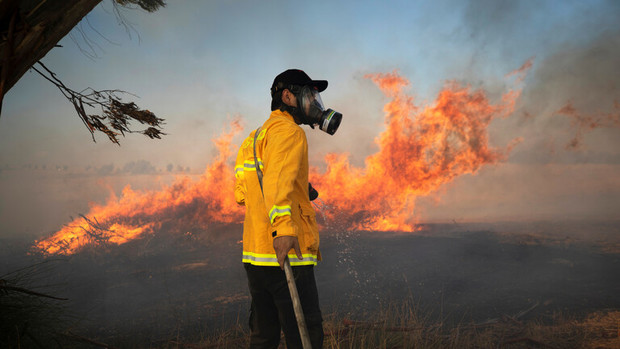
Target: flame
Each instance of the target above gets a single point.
(421, 148)
(201, 203)
(71, 238)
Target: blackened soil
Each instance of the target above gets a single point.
(189, 285)
(473, 276)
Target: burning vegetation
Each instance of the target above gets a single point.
(421, 148)
(201, 203)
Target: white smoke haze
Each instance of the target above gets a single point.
(39, 199)
(574, 61)
(529, 192)
(586, 77)
(540, 226)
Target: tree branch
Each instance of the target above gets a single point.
(115, 116)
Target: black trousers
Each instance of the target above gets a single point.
(272, 307)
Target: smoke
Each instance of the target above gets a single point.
(570, 95)
(519, 27)
(185, 204)
(586, 74)
(105, 170)
(38, 199)
(361, 106)
(423, 147)
(139, 167)
(566, 166)
(571, 108)
(487, 20)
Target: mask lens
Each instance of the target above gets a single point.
(311, 102)
(312, 107)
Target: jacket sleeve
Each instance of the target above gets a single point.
(283, 155)
(240, 188)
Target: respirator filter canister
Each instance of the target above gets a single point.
(330, 121)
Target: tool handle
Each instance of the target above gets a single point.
(299, 313)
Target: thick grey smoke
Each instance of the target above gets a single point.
(578, 82)
(574, 70)
(570, 108)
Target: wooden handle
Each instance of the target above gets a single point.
(299, 313)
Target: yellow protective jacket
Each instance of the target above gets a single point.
(285, 209)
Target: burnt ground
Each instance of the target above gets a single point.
(192, 285)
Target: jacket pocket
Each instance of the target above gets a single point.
(309, 229)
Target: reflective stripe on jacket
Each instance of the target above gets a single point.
(285, 209)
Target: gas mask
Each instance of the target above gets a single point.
(312, 112)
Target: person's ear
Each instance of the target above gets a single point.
(286, 98)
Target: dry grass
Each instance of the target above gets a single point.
(29, 316)
(405, 327)
(602, 330)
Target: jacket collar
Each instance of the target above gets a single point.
(282, 114)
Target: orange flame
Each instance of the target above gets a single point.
(202, 203)
(421, 149)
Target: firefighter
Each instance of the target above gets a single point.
(272, 183)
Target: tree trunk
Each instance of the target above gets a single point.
(30, 28)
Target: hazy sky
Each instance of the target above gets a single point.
(199, 64)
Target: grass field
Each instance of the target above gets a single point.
(402, 326)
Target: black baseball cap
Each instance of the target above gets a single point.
(294, 77)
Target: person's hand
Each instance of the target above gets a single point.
(283, 244)
(312, 192)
